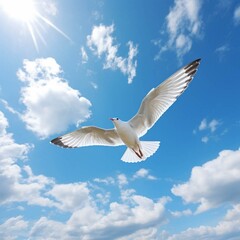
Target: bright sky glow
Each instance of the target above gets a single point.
(68, 64)
(26, 11)
(23, 10)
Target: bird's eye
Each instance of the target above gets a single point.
(117, 118)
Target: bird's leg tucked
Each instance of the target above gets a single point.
(140, 154)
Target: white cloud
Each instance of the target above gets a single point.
(145, 234)
(121, 219)
(210, 126)
(203, 125)
(51, 104)
(47, 229)
(101, 42)
(108, 180)
(143, 173)
(181, 213)
(236, 15)
(183, 24)
(14, 186)
(227, 228)
(13, 228)
(3, 124)
(122, 180)
(214, 183)
(130, 216)
(70, 197)
(213, 125)
(126, 220)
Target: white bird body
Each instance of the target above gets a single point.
(128, 136)
(126, 133)
(154, 104)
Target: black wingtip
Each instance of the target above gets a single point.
(57, 141)
(192, 67)
(193, 63)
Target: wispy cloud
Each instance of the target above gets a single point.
(101, 42)
(183, 24)
(9, 108)
(50, 7)
(178, 214)
(208, 127)
(222, 50)
(84, 55)
(107, 181)
(212, 125)
(51, 104)
(214, 183)
(94, 85)
(236, 15)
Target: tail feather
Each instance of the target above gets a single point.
(148, 149)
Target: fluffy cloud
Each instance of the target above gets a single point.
(122, 219)
(13, 228)
(214, 183)
(47, 229)
(51, 104)
(183, 24)
(236, 15)
(88, 216)
(137, 218)
(15, 187)
(227, 228)
(122, 180)
(70, 197)
(101, 42)
(143, 173)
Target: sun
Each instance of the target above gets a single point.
(21, 10)
(26, 11)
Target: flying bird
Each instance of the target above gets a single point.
(154, 104)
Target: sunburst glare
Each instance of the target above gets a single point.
(26, 11)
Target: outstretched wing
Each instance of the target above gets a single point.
(88, 136)
(159, 99)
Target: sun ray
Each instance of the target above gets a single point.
(41, 36)
(54, 27)
(33, 36)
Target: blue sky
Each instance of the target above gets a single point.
(67, 64)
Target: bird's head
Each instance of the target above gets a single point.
(115, 120)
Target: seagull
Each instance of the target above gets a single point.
(128, 133)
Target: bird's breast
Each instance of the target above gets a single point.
(128, 135)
